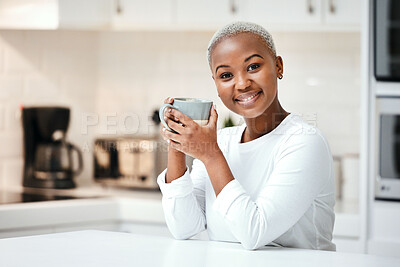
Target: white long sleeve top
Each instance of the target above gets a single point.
(283, 192)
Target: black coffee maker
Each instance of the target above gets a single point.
(49, 159)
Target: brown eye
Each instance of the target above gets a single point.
(253, 67)
(226, 75)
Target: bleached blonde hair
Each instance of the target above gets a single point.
(235, 28)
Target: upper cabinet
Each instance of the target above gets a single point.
(307, 15)
(142, 14)
(84, 13)
(343, 13)
(206, 13)
(282, 13)
(276, 15)
(54, 14)
(28, 14)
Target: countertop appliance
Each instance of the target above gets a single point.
(388, 160)
(387, 40)
(130, 162)
(386, 86)
(48, 157)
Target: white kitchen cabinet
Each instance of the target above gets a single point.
(314, 15)
(28, 14)
(54, 14)
(206, 13)
(271, 13)
(85, 14)
(139, 14)
(345, 13)
(349, 245)
(276, 15)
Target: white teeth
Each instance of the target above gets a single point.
(247, 99)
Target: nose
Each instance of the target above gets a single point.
(242, 81)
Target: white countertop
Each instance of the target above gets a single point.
(113, 205)
(110, 206)
(100, 248)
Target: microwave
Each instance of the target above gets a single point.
(386, 35)
(388, 156)
(129, 162)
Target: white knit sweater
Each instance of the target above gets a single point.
(283, 192)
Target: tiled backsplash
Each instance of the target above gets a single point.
(116, 79)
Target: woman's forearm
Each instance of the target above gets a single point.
(176, 165)
(218, 170)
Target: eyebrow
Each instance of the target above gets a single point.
(247, 59)
(254, 55)
(221, 66)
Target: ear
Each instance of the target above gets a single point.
(279, 66)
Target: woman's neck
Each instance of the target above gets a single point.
(264, 123)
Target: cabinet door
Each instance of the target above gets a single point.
(277, 14)
(206, 13)
(139, 13)
(342, 12)
(28, 14)
(84, 14)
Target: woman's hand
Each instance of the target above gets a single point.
(192, 139)
(168, 100)
(197, 141)
(176, 159)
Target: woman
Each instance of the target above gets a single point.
(269, 181)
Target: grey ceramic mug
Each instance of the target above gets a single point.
(195, 108)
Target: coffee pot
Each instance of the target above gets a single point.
(55, 161)
(49, 160)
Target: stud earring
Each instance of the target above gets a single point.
(280, 77)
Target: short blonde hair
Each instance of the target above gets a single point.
(235, 28)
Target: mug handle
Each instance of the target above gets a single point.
(161, 115)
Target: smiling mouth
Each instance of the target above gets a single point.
(250, 98)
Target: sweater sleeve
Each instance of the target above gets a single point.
(183, 202)
(301, 170)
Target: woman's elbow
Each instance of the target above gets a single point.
(254, 240)
(180, 235)
(251, 244)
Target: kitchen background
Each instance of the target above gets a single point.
(113, 62)
(114, 80)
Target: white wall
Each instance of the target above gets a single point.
(117, 74)
(43, 68)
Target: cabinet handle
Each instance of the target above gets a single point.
(119, 7)
(310, 7)
(332, 6)
(233, 7)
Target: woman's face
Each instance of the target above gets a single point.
(245, 73)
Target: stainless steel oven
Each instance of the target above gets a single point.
(387, 40)
(388, 158)
(386, 86)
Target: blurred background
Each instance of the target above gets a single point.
(106, 60)
(112, 63)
